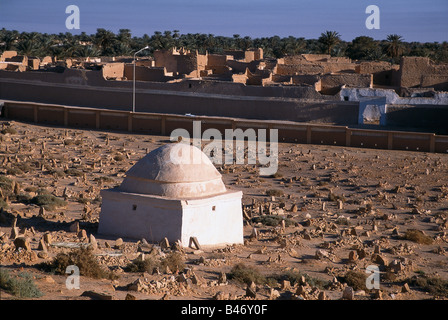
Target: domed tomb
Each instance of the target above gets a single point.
(175, 192)
(175, 170)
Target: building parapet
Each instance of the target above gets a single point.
(356, 94)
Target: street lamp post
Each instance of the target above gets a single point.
(133, 88)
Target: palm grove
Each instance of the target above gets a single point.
(107, 43)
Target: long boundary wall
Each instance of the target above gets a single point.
(164, 124)
(86, 88)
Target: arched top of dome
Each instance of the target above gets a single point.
(175, 170)
(175, 162)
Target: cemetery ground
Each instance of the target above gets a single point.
(311, 230)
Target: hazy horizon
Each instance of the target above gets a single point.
(421, 21)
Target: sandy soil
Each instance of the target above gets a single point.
(339, 203)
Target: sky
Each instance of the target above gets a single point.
(414, 20)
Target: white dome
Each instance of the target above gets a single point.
(175, 170)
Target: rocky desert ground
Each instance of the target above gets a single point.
(311, 230)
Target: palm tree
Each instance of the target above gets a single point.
(201, 42)
(45, 44)
(84, 37)
(31, 36)
(361, 48)
(329, 39)
(122, 49)
(105, 39)
(87, 51)
(70, 47)
(9, 40)
(442, 53)
(276, 45)
(176, 36)
(394, 46)
(245, 43)
(124, 35)
(27, 47)
(235, 42)
(294, 46)
(157, 41)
